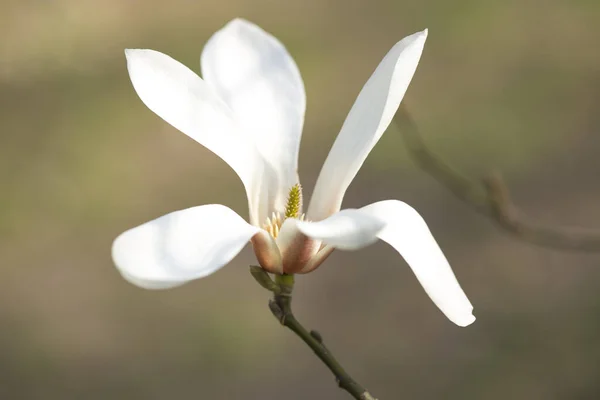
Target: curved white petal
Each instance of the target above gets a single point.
(407, 232)
(181, 246)
(369, 117)
(348, 229)
(255, 75)
(180, 97)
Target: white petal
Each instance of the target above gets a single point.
(181, 246)
(181, 98)
(255, 75)
(369, 117)
(407, 232)
(347, 230)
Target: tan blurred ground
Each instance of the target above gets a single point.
(511, 84)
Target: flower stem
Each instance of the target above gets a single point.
(281, 307)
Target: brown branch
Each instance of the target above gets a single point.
(490, 196)
(281, 308)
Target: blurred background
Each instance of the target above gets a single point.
(513, 85)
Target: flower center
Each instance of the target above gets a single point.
(293, 209)
(273, 224)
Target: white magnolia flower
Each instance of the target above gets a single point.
(249, 110)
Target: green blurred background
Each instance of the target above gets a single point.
(509, 84)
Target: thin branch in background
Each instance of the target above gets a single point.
(491, 197)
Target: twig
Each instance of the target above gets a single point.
(491, 197)
(281, 307)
